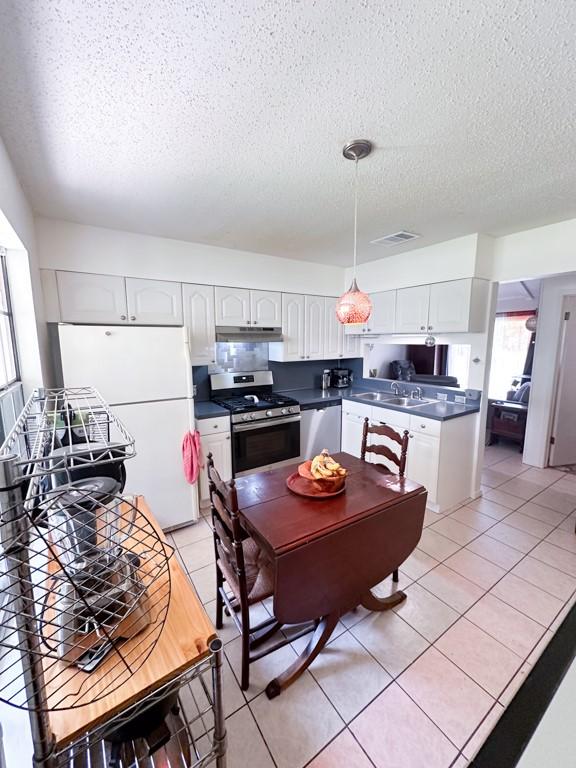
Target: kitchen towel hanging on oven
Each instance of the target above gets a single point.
(192, 456)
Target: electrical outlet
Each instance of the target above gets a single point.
(459, 399)
(441, 396)
(194, 390)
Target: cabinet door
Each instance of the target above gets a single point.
(232, 306)
(199, 319)
(383, 314)
(154, 302)
(450, 306)
(292, 348)
(220, 446)
(314, 327)
(422, 462)
(87, 298)
(333, 331)
(412, 309)
(352, 346)
(266, 308)
(352, 426)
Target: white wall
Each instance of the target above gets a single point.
(545, 367)
(451, 260)
(63, 245)
(17, 234)
(536, 252)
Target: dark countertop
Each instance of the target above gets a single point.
(206, 409)
(437, 410)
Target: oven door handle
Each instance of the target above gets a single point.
(261, 424)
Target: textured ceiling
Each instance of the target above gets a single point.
(223, 122)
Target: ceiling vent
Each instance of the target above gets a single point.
(395, 239)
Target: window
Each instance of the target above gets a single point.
(8, 360)
(509, 350)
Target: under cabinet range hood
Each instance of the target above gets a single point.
(253, 333)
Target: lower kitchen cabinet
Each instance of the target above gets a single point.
(216, 439)
(440, 453)
(353, 415)
(422, 463)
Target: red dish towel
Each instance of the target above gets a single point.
(192, 456)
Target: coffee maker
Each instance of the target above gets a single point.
(341, 377)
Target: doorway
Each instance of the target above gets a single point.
(563, 435)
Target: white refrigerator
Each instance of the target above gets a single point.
(145, 375)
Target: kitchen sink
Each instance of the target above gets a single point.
(371, 396)
(406, 402)
(384, 397)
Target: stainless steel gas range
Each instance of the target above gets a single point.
(265, 425)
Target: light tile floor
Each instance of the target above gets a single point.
(423, 685)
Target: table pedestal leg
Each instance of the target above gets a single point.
(316, 643)
(373, 603)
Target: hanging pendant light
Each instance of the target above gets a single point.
(354, 306)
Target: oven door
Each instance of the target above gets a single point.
(261, 443)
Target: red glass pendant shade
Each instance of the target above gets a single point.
(354, 306)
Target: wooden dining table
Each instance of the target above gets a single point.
(328, 554)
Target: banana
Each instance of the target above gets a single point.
(323, 467)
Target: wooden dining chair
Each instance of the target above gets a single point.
(244, 569)
(399, 459)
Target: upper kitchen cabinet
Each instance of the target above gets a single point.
(199, 319)
(88, 298)
(232, 306)
(154, 302)
(333, 331)
(314, 327)
(291, 348)
(412, 309)
(382, 317)
(266, 308)
(458, 306)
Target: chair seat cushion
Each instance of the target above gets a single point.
(259, 572)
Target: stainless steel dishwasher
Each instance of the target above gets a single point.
(320, 428)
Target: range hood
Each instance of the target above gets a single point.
(253, 333)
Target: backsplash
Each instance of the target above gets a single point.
(299, 375)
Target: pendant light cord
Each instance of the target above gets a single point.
(355, 214)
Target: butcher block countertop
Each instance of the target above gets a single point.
(183, 642)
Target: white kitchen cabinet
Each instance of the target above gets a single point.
(352, 427)
(422, 463)
(88, 298)
(382, 318)
(412, 309)
(314, 327)
(232, 306)
(333, 331)
(458, 306)
(293, 322)
(215, 438)
(352, 346)
(154, 302)
(266, 308)
(199, 319)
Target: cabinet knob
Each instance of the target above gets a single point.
(302, 357)
(430, 328)
(212, 361)
(410, 435)
(422, 327)
(227, 437)
(132, 317)
(422, 426)
(122, 317)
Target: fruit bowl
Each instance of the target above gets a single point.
(324, 484)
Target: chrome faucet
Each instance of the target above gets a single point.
(395, 388)
(416, 393)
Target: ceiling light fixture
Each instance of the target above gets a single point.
(430, 341)
(354, 306)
